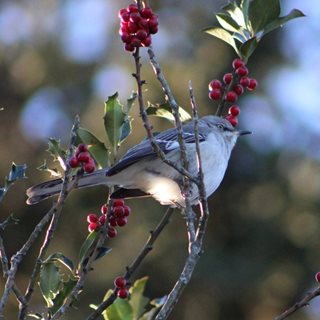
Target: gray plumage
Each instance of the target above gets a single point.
(140, 172)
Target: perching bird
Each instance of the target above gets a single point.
(140, 172)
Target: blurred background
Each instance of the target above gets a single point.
(262, 248)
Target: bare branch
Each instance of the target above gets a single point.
(304, 302)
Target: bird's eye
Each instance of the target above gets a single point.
(220, 126)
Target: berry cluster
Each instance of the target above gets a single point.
(117, 217)
(82, 158)
(232, 87)
(121, 283)
(136, 26)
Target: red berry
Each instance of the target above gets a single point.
(112, 221)
(132, 27)
(112, 232)
(147, 41)
(233, 120)
(132, 8)
(82, 147)
(317, 276)
(124, 15)
(73, 162)
(126, 37)
(120, 282)
(215, 84)
(118, 211)
(252, 84)
(84, 157)
(238, 89)
(127, 211)
(215, 94)
(122, 293)
(234, 110)
(227, 78)
(122, 221)
(104, 208)
(231, 96)
(136, 42)
(143, 24)
(237, 63)
(89, 167)
(141, 34)
(93, 226)
(91, 217)
(135, 17)
(118, 203)
(129, 47)
(147, 13)
(153, 30)
(102, 219)
(244, 81)
(242, 71)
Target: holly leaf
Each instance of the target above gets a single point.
(280, 21)
(247, 48)
(97, 148)
(138, 301)
(54, 172)
(236, 13)
(57, 152)
(60, 257)
(50, 282)
(164, 111)
(102, 251)
(87, 244)
(119, 310)
(227, 22)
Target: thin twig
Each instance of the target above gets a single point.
(135, 263)
(300, 304)
(18, 257)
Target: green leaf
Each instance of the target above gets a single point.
(227, 22)
(114, 118)
(53, 171)
(222, 35)
(102, 251)
(164, 111)
(130, 102)
(262, 13)
(137, 300)
(87, 244)
(119, 310)
(97, 149)
(58, 256)
(50, 282)
(236, 13)
(244, 5)
(59, 300)
(55, 149)
(150, 315)
(247, 48)
(279, 22)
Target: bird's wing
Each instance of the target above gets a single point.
(167, 141)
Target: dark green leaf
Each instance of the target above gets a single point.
(87, 244)
(17, 172)
(262, 13)
(96, 148)
(102, 251)
(58, 256)
(236, 13)
(130, 102)
(114, 117)
(222, 35)
(244, 5)
(137, 300)
(67, 287)
(54, 172)
(119, 310)
(279, 22)
(247, 48)
(227, 22)
(50, 282)
(56, 151)
(164, 111)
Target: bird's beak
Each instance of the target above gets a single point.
(243, 132)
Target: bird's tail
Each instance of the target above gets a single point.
(48, 189)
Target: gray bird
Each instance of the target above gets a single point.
(140, 172)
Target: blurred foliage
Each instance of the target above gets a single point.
(262, 245)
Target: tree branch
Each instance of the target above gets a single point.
(300, 304)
